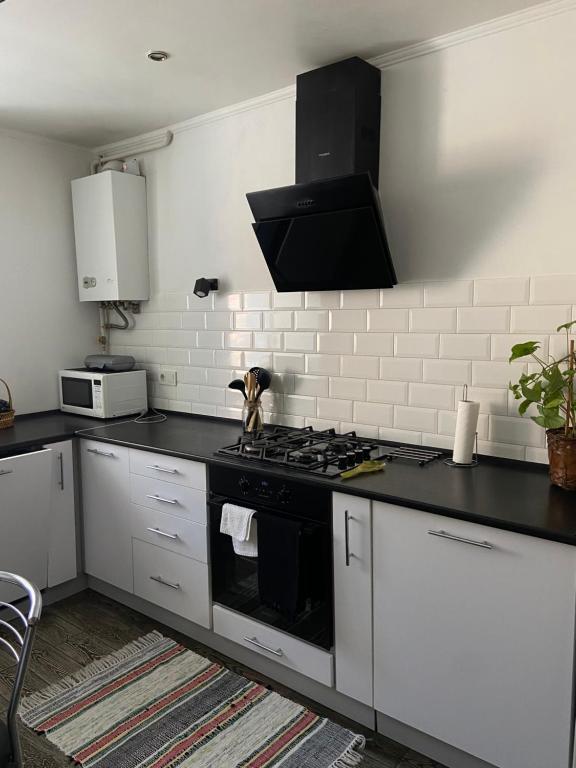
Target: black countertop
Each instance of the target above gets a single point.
(512, 495)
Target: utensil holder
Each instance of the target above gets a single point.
(252, 417)
(7, 417)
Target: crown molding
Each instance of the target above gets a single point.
(433, 45)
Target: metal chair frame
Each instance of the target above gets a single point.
(20, 647)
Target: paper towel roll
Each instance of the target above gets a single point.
(465, 436)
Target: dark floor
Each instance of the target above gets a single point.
(84, 627)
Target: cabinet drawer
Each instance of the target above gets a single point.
(170, 532)
(175, 499)
(279, 647)
(168, 468)
(174, 582)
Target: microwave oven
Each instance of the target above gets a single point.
(103, 395)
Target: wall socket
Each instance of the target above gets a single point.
(168, 378)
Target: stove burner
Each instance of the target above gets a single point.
(323, 453)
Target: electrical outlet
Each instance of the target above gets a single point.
(168, 378)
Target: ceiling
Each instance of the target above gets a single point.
(76, 70)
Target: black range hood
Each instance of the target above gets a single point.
(326, 232)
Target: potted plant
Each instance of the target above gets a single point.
(551, 391)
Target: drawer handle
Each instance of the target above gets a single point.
(170, 584)
(158, 468)
(348, 554)
(6, 472)
(100, 453)
(255, 641)
(472, 542)
(163, 533)
(161, 498)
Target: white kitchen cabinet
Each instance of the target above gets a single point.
(352, 537)
(106, 511)
(62, 565)
(474, 636)
(110, 227)
(25, 494)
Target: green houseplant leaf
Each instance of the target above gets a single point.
(523, 350)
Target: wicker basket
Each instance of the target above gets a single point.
(7, 417)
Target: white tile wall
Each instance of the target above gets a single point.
(387, 363)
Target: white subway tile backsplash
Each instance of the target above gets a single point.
(312, 320)
(348, 389)
(374, 344)
(538, 455)
(447, 371)
(457, 293)
(379, 414)
(539, 319)
(483, 319)
(553, 289)
(348, 320)
(416, 345)
(388, 320)
(358, 367)
(388, 363)
(502, 291)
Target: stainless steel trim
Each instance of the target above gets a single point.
(162, 469)
(462, 539)
(6, 471)
(61, 465)
(256, 642)
(100, 453)
(348, 555)
(170, 584)
(161, 498)
(163, 533)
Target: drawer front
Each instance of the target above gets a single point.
(277, 646)
(174, 582)
(168, 468)
(174, 499)
(170, 532)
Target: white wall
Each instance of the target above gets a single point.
(477, 173)
(43, 327)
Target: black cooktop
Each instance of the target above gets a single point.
(320, 452)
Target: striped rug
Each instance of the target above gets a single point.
(156, 704)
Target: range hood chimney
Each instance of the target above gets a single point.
(326, 232)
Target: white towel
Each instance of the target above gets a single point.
(237, 522)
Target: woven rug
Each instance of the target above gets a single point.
(156, 704)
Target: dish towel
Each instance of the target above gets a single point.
(238, 523)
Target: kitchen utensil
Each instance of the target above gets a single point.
(263, 378)
(365, 467)
(239, 385)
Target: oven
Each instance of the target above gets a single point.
(289, 584)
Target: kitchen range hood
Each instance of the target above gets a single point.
(326, 232)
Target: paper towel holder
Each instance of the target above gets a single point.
(474, 462)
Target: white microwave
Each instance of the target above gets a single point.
(102, 394)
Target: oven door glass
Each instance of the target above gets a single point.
(248, 584)
(77, 392)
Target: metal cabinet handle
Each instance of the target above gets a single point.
(161, 498)
(462, 539)
(255, 641)
(349, 555)
(61, 466)
(6, 472)
(163, 533)
(165, 583)
(162, 469)
(100, 453)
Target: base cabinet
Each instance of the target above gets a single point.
(62, 560)
(474, 636)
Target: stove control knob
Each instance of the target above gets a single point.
(284, 495)
(342, 462)
(244, 485)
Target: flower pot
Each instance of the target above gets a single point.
(562, 457)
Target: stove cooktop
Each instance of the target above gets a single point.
(324, 452)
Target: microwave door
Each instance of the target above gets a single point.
(77, 393)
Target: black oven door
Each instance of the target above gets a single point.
(289, 588)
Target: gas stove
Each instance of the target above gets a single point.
(323, 452)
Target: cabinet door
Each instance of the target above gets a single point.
(25, 485)
(62, 564)
(474, 636)
(353, 596)
(106, 511)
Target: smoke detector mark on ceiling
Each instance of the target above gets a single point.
(154, 55)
